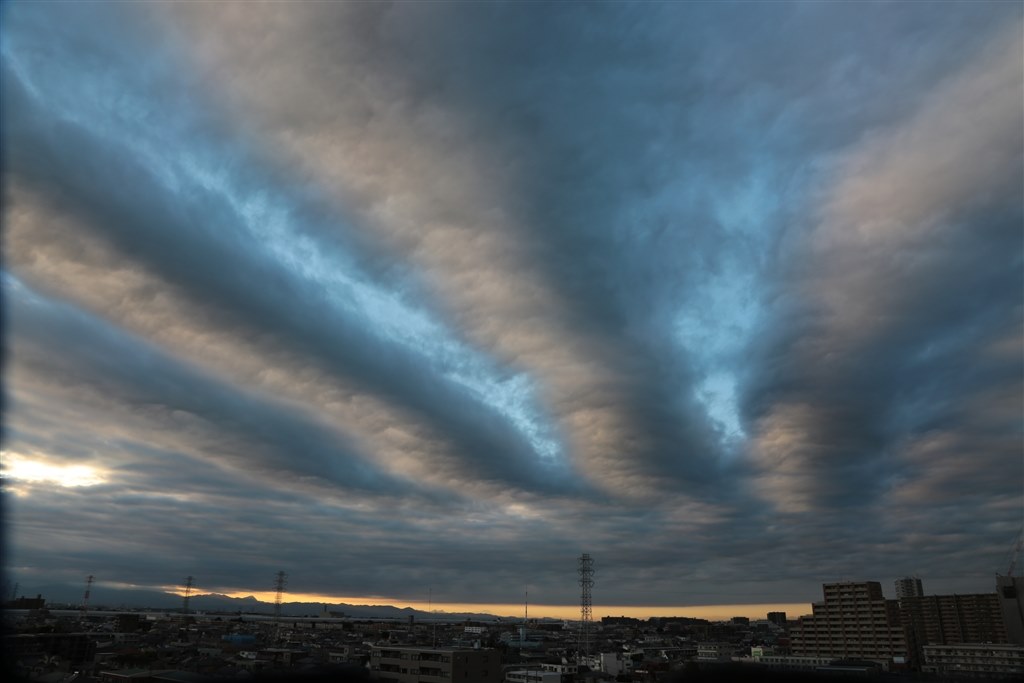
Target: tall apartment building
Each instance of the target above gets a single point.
(854, 621)
(1010, 590)
(909, 587)
(947, 619)
(435, 665)
(951, 619)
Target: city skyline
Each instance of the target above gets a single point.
(113, 594)
(410, 297)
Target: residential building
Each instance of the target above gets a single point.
(778, 618)
(715, 652)
(950, 619)
(27, 603)
(434, 665)
(74, 648)
(614, 663)
(855, 621)
(909, 587)
(1010, 590)
(564, 669)
(976, 660)
(523, 639)
(791, 662)
(532, 676)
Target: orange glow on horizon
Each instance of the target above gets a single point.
(539, 611)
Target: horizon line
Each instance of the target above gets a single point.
(715, 611)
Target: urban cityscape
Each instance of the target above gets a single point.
(855, 630)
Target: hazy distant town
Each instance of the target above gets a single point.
(855, 630)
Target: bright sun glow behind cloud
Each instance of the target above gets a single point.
(21, 468)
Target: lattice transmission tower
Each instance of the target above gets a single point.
(185, 598)
(279, 583)
(85, 597)
(586, 572)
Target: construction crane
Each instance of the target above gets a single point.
(1015, 553)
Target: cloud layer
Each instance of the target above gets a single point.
(400, 296)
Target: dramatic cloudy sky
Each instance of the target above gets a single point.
(428, 298)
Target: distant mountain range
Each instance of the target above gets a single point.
(114, 598)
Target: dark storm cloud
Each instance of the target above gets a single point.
(751, 272)
(601, 122)
(591, 129)
(236, 476)
(105, 368)
(891, 346)
(184, 236)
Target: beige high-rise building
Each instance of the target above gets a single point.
(855, 621)
(946, 619)
(951, 619)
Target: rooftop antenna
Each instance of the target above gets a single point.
(85, 598)
(586, 572)
(188, 594)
